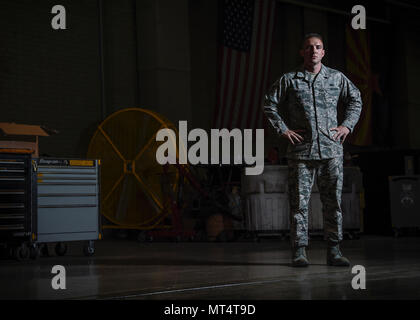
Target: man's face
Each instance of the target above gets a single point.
(312, 51)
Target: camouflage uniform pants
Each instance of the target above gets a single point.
(301, 173)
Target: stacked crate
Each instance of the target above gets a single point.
(267, 209)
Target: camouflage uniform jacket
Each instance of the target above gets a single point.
(296, 103)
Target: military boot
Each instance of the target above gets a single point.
(334, 256)
(299, 258)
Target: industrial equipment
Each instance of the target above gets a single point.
(45, 200)
(135, 188)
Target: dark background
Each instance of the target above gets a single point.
(162, 55)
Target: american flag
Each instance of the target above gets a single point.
(244, 59)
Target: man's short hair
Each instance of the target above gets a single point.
(312, 35)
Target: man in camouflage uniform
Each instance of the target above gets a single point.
(302, 107)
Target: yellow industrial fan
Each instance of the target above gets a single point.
(132, 194)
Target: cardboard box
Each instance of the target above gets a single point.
(22, 138)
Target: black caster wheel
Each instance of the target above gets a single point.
(34, 252)
(11, 252)
(44, 250)
(24, 253)
(89, 249)
(15, 253)
(21, 252)
(60, 248)
(142, 236)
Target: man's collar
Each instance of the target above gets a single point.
(303, 74)
(324, 71)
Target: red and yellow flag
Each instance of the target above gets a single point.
(359, 72)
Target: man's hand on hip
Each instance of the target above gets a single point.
(341, 133)
(293, 135)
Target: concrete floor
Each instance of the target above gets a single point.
(124, 269)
